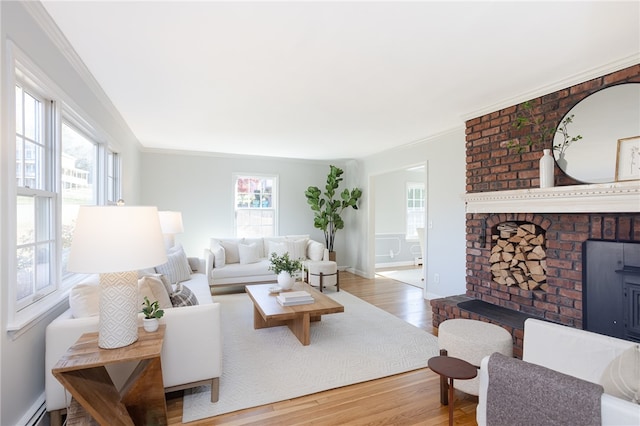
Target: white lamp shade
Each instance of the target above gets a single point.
(116, 239)
(171, 222)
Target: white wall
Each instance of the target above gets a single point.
(22, 356)
(201, 187)
(444, 156)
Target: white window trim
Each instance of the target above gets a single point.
(409, 185)
(20, 66)
(275, 200)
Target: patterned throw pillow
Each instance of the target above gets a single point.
(177, 268)
(183, 296)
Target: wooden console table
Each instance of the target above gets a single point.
(141, 400)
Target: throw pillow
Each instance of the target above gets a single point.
(277, 248)
(248, 253)
(84, 300)
(230, 251)
(177, 267)
(259, 243)
(165, 281)
(153, 289)
(297, 249)
(219, 258)
(194, 264)
(621, 378)
(183, 296)
(315, 251)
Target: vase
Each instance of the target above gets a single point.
(150, 324)
(286, 280)
(547, 165)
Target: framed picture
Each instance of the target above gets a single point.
(628, 159)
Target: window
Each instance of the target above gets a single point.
(79, 166)
(35, 198)
(61, 163)
(113, 177)
(415, 209)
(255, 205)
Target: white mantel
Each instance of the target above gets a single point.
(618, 197)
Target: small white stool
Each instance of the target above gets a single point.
(471, 341)
(322, 273)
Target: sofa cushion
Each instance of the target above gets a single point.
(621, 378)
(164, 279)
(315, 251)
(297, 248)
(259, 242)
(219, 258)
(84, 300)
(153, 288)
(236, 270)
(248, 253)
(183, 296)
(177, 268)
(232, 255)
(277, 248)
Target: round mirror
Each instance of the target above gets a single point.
(600, 119)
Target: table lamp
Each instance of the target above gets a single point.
(116, 241)
(171, 224)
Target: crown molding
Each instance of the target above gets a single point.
(42, 18)
(559, 85)
(618, 197)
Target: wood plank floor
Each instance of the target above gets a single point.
(411, 398)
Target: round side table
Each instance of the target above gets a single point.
(452, 368)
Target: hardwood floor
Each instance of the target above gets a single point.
(411, 398)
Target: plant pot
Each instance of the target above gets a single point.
(286, 280)
(332, 256)
(150, 324)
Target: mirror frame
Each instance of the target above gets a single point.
(601, 119)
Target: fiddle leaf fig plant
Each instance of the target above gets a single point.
(328, 208)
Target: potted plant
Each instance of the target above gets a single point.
(540, 132)
(152, 313)
(328, 210)
(284, 267)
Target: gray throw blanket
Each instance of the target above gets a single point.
(521, 393)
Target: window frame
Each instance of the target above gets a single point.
(21, 70)
(408, 213)
(274, 201)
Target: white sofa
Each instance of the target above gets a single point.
(576, 353)
(191, 353)
(234, 261)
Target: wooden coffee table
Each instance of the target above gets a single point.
(267, 312)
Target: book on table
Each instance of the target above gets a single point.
(292, 298)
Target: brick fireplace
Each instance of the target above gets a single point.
(494, 168)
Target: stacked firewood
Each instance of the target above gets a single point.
(518, 256)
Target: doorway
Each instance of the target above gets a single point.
(400, 212)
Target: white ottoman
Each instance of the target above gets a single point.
(471, 341)
(322, 273)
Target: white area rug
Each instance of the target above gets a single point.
(269, 365)
(409, 276)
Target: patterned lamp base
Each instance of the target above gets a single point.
(118, 325)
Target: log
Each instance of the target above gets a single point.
(509, 248)
(533, 285)
(530, 227)
(539, 251)
(495, 257)
(507, 256)
(538, 278)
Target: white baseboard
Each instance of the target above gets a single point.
(36, 415)
(394, 264)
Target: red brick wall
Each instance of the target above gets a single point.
(491, 166)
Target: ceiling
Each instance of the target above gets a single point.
(333, 80)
